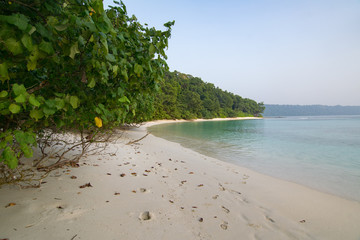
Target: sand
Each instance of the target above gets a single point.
(155, 189)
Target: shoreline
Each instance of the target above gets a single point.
(160, 190)
(323, 190)
(331, 216)
(158, 122)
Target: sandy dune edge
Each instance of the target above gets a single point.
(185, 194)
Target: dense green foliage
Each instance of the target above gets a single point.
(64, 63)
(71, 65)
(309, 110)
(185, 97)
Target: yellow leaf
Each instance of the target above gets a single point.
(98, 122)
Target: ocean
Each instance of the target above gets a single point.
(320, 152)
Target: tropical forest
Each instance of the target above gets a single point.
(74, 66)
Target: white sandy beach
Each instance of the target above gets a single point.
(186, 195)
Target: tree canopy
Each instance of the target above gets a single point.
(70, 64)
(183, 96)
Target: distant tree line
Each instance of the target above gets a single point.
(183, 96)
(309, 110)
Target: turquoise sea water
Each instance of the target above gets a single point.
(321, 152)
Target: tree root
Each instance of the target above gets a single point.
(57, 150)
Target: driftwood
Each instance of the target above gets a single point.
(137, 140)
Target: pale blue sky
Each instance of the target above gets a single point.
(278, 52)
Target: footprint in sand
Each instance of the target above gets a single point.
(225, 209)
(221, 187)
(270, 219)
(145, 216)
(143, 190)
(233, 191)
(224, 225)
(256, 226)
(215, 197)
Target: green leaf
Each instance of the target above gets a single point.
(121, 37)
(14, 108)
(4, 74)
(74, 101)
(13, 46)
(27, 150)
(91, 83)
(31, 138)
(59, 94)
(104, 42)
(59, 103)
(36, 114)
(124, 73)
(3, 94)
(20, 136)
(51, 103)
(61, 28)
(9, 138)
(2, 146)
(46, 47)
(92, 28)
(103, 27)
(4, 105)
(18, 20)
(81, 40)
(74, 50)
(32, 29)
(124, 99)
(33, 101)
(43, 31)
(20, 99)
(27, 42)
(149, 66)
(138, 69)
(32, 61)
(9, 158)
(98, 6)
(19, 89)
(110, 58)
(25, 137)
(49, 111)
(152, 49)
(31, 65)
(115, 69)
